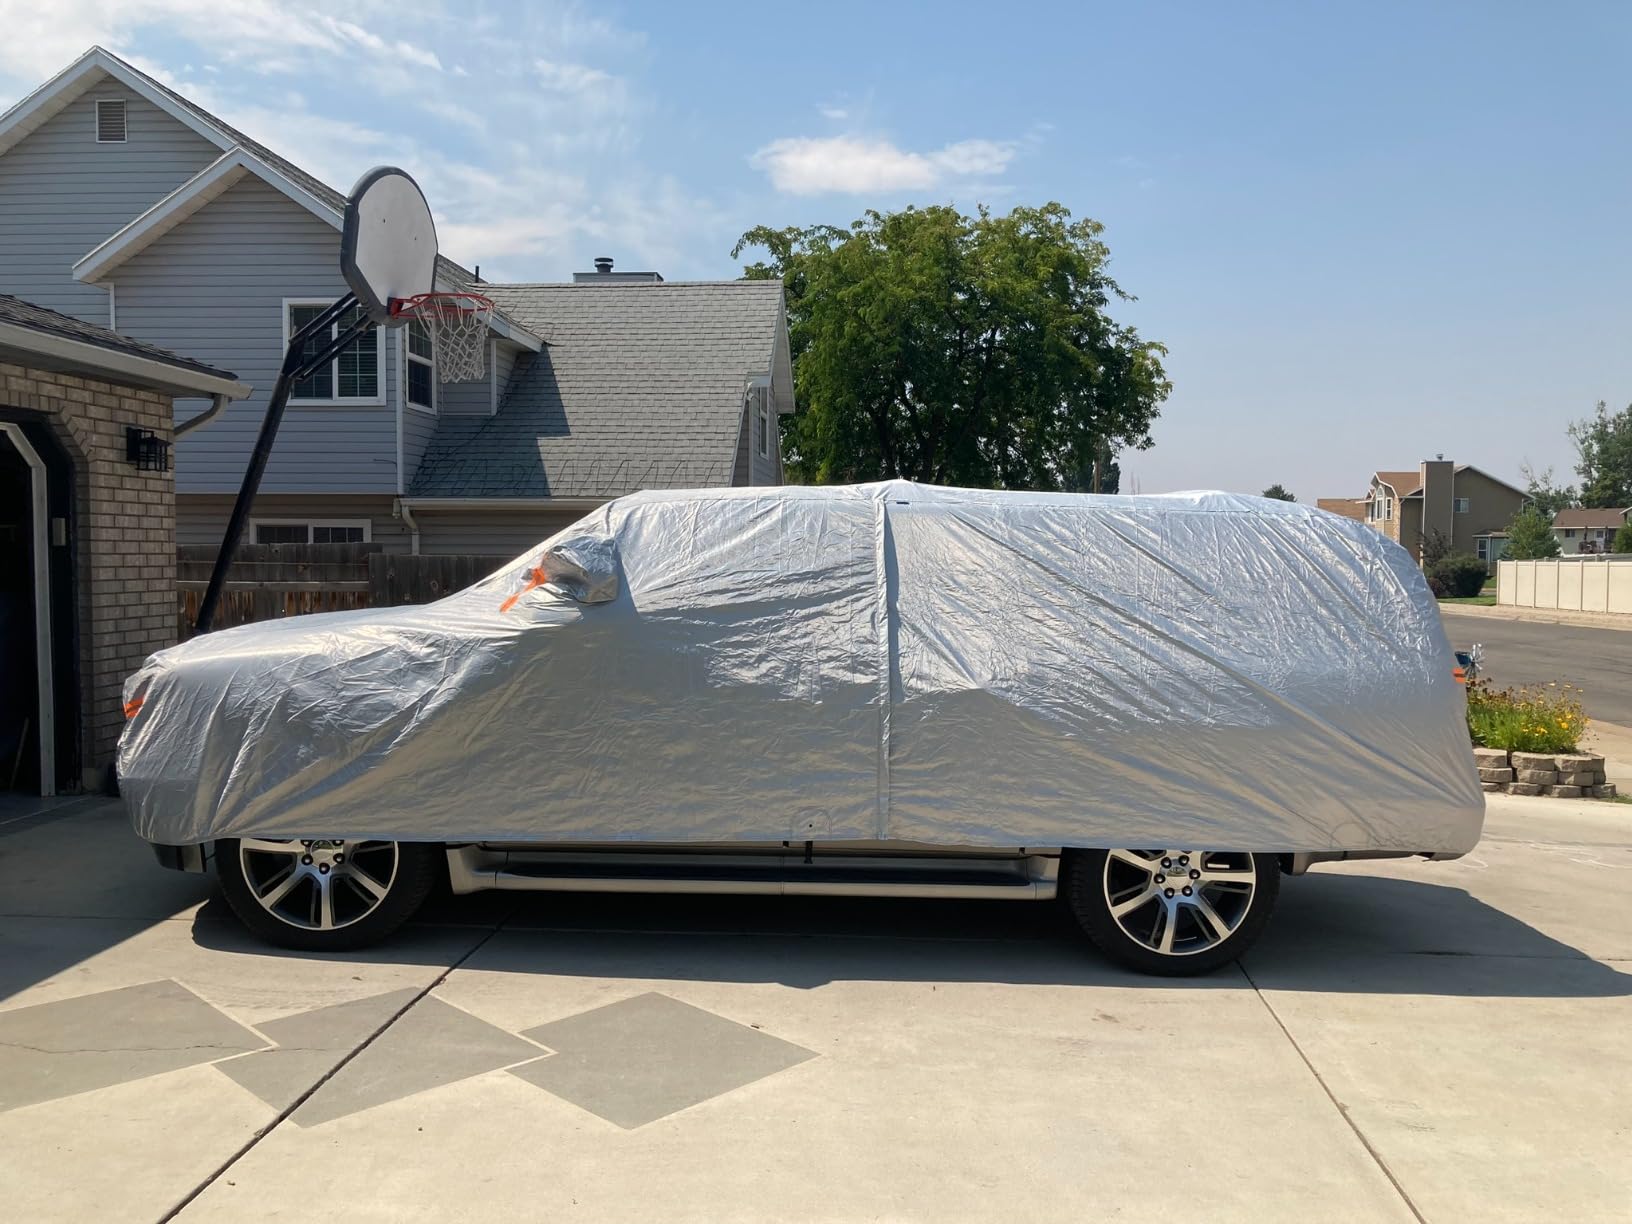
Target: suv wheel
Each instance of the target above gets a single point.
(323, 896)
(1171, 912)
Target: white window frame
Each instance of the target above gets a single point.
(255, 525)
(406, 356)
(369, 401)
(1460, 504)
(96, 119)
(764, 411)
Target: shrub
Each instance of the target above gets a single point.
(1623, 539)
(1548, 719)
(1530, 535)
(1459, 575)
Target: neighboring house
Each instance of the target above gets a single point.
(1469, 507)
(1349, 507)
(87, 537)
(1588, 531)
(126, 205)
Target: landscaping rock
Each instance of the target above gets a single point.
(1564, 792)
(1495, 775)
(1579, 763)
(1581, 777)
(1490, 758)
(1538, 777)
(1535, 760)
(1522, 788)
(1607, 791)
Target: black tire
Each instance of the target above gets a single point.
(1084, 891)
(418, 866)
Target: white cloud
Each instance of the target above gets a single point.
(807, 165)
(570, 78)
(830, 111)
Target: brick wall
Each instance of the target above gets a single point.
(124, 527)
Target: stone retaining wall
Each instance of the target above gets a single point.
(1561, 775)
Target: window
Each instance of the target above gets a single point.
(1388, 507)
(1482, 547)
(354, 374)
(323, 531)
(110, 121)
(1461, 505)
(1569, 533)
(764, 430)
(421, 365)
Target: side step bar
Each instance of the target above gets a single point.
(1018, 878)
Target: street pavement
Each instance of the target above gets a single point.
(1410, 1041)
(1525, 652)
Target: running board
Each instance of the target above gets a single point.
(1017, 878)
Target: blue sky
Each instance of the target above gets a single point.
(1368, 233)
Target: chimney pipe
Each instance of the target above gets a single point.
(603, 263)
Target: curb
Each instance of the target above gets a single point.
(1541, 616)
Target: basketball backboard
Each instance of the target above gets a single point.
(388, 242)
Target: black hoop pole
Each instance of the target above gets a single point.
(293, 370)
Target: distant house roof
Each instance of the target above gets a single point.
(1590, 518)
(639, 386)
(58, 341)
(240, 154)
(1409, 484)
(1403, 483)
(1348, 507)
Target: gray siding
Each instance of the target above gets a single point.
(213, 288)
(202, 518)
(468, 398)
(62, 195)
(501, 532)
(417, 429)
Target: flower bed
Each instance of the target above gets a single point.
(1547, 719)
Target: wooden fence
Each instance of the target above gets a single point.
(268, 581)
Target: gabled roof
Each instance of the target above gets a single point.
(1403, 483)
(638, 387)
(61, 341)
(241, 155)
(1409, 484)
(1590, 518)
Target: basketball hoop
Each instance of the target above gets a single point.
(457, 325)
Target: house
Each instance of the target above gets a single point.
(641, 384)
(1588, 531)
(87, 533)
(1469, 508)
(126, 205)
(1348, 507)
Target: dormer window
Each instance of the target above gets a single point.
(110, 121)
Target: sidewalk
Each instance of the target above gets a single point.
(1542, 616)
(1614, 744)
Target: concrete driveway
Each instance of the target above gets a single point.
(1410, 1042)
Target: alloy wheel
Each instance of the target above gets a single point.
(318, 885)
(1179, 902)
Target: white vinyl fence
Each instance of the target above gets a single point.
(1571, 584)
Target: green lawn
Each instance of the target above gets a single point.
(1485, 599)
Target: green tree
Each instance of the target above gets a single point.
(1436, 546)
(956, 349)
(1603, 446)
(1279, 492)
(1546, 496)
(1530, 535)
(1623, 539)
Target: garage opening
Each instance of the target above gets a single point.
(39, 654)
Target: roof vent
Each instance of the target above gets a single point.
(603, 263)
(604, 275)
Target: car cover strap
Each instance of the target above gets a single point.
(536, 579)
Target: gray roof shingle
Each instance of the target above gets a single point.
(20, 313)
(638, 387)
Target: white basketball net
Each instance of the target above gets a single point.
(457, 325)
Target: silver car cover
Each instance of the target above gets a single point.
(887, 661)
